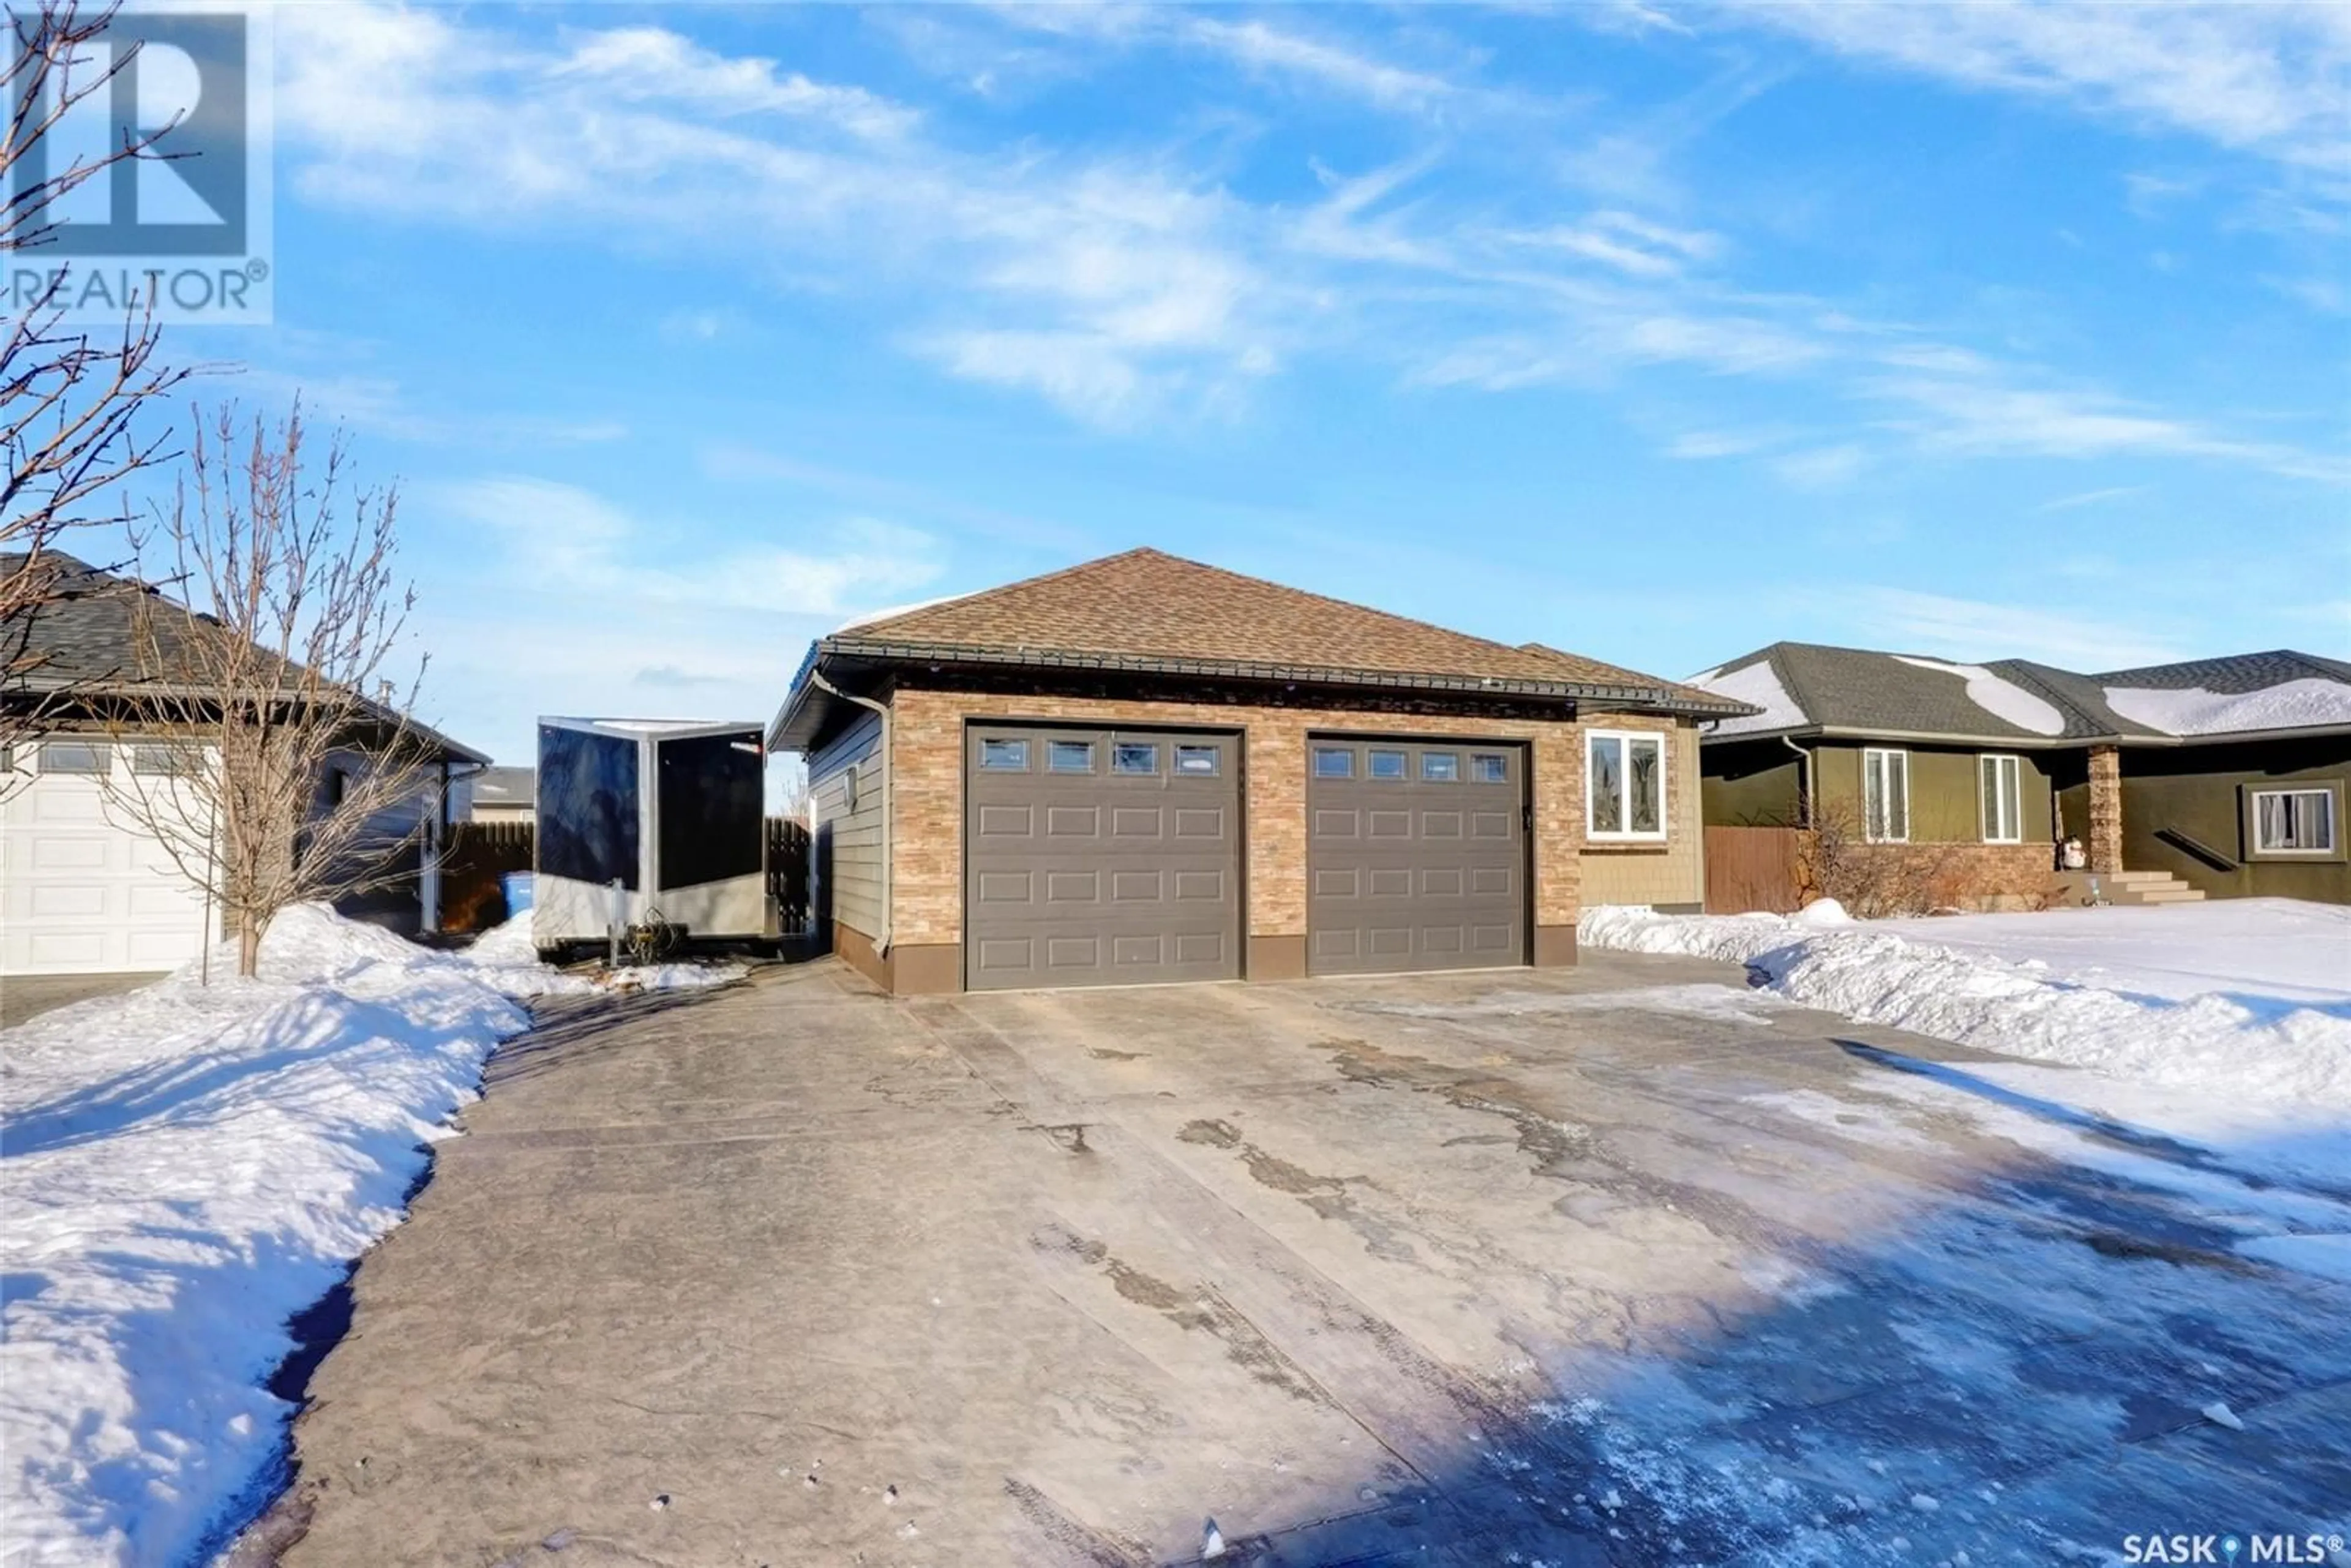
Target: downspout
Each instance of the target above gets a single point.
(889, 792)
(1805, 779)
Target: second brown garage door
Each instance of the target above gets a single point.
(1100, 857)
(1417, 856)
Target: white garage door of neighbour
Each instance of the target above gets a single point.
(81, 893)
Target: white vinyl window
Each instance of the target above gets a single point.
(2000, 781)
(2293, 821)
(1625, 786)
(1885, 796)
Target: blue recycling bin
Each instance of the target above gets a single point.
(516, 885)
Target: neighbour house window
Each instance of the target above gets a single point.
(1387, 764)
(1011, 756)
(2001, 786)
(1439, 767)
(86, 758)
(1133, 757)
(1885, 796)
(1196, 759)
(1333, 762)
(1070, 757)
(2293, 821)
(1486, 768)
(1625, 785)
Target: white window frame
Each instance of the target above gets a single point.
(2332, 849)
(2013, 767)
(1627, 835)
(1893, 756)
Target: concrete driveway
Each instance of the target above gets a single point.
(1621, 1264)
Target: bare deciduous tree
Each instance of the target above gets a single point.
(70, 397)
(272, 775)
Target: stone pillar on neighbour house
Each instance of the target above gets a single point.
(2106, 809)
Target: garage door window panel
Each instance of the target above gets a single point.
(1389, 766)
(1333, 762)
(1070, 757)
(1135, 758)
(79, 758)
(1004, 756)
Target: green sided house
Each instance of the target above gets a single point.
(1145, 770)
(2212, 778)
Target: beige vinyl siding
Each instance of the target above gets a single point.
(1675, 872)
(848, 842)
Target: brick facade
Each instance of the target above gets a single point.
(2105, 846)
(927, 771)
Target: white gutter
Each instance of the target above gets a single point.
(889, 776)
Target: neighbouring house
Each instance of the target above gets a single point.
(2210, 778)
(83, 889)
(504, 795)
(1143, 769)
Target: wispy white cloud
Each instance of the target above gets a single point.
(572, 541)
(1138, 286)
(1821, 468)
(1257, 45)
(2270, 79)
(2091, 498)
(653, 64)
(1629, 243)
(1977, 628)
(1707, 445)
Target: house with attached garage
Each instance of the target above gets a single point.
(1147, 769)
(83, 888)
(2211, 777)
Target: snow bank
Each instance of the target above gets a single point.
(2193, 710)
(183, 1168)
(2229, 1040)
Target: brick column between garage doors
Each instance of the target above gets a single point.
(927, 763)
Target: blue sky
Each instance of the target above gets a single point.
(1651, 332)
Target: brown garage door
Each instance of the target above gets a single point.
(1416, 855)
(1099, 857)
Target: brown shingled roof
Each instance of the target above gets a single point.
(1147, 604)
(1592, 672)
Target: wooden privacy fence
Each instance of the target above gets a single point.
(1750, 868)
(478, 854)
(473, 857)
(788, 874)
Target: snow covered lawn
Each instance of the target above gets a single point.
(2225, 1023)
(183, 1168)
(2250, 999)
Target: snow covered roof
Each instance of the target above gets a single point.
(2243, 694)
(1809, 687)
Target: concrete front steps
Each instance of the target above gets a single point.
(2127, 887)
